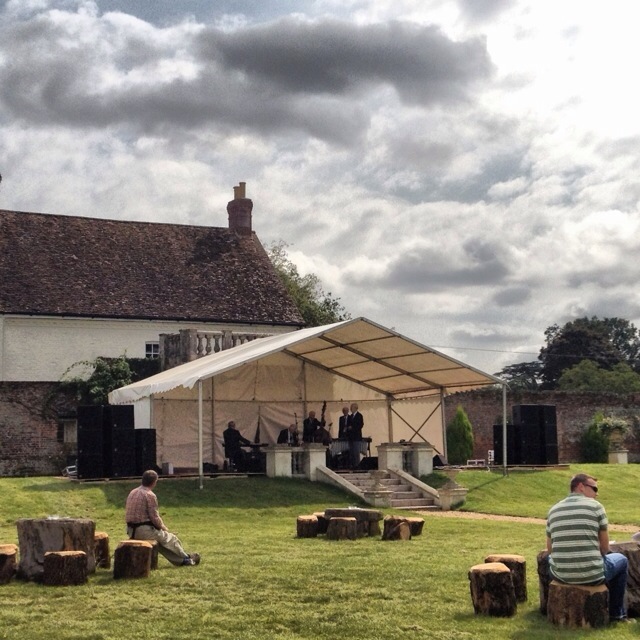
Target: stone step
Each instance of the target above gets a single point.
(405, 495)
(409, 503)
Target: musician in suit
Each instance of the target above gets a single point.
(233, 442)
(343, 422)
(309, 426)
(289, 436)
(354, 434)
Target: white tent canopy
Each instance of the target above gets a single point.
(399, 382)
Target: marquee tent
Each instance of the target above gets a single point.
(268, 383)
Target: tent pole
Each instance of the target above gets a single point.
(443, 419)
(200, 433)
(504, 429)
(389, 419)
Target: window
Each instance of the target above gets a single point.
(152, 350)
(68, 431)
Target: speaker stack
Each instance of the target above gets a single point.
(109, 446)
(532, 439)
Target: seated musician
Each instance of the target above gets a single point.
(309, 426)
(322, 436)
(233, 442)
(289, 436)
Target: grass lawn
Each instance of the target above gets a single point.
(256, 580)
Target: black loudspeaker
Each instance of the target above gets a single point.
(120, 453)
(514, 444)
(439, 461)
(538, 433)
(145, 450)
(90, 442)
(368, 463)
(119, 417)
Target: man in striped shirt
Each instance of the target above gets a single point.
(144, 522)
(578, 544)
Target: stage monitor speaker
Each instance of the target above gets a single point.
(145, 450)
(120, 453)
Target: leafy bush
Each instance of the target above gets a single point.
(459, 438)
(594, 444)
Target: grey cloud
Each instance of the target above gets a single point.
(335, 57)
(483, 9)
(512, 296)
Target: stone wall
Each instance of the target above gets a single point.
(30, 434)
(573, 412)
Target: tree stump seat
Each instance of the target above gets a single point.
(342, 529)
(323, 522)
(543, 579)
(631, 550)
(64, 568)
(416, 525)
(367, 520)
(307, 527)
(492, 591)
(518, 567)
(101, 550)
(154, 554)
(132, 559)
(8, 562)
(396, 528)
(578, 606)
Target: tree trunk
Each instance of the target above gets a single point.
(8, 562)
(64, 568)
(37, 536)
(101, 550)
(132, 559)
(366, 519)
(632, 552)
(307, 526)
(543, 580)
(492, 591)
(578, 606)
(518, 567)
(416, 525)
(396, 528)
(342, 529)
(323, 522)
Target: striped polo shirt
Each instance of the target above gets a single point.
(573, 524)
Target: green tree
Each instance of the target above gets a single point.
(594, 445)
(315, 305)
(588, 376)
(523, 375)
(459, 438)
(106, 374)
(606, 342)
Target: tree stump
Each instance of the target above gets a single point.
(364, 519)
(307, 526)
(492, 591)
(64, 568)
(132, 559)
(518, 567)
(396, 528)
(8, 562)
(101, 550)
(37, 536)
(154, 554)
(578, 606)
(544, 579)
(323, 522)
(342, 529)
(416, 525)
(632, 595)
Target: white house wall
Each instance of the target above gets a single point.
(41, 349)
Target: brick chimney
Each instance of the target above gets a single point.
(239, 210)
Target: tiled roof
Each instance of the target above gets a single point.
(64, 265)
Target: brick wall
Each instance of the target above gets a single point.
(29, 441)
(573, 412)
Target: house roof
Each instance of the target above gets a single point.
(359, 350)
(89, 267)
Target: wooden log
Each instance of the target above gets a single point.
(632, 594)
(154, 554)
(37, 536)
(416, 525)
(323, 522)
(492, 592)
(364, 518)
(544, 579)
(8, 562)
(342, 529)
(101, 550)
(374, 528)
(396, 528)
(578, 606)
(132, 559)
(518, 567)
(64, 568)
(307, 526)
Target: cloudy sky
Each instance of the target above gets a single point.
(465, 171)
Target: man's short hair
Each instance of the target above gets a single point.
(580, 478)
(231, 423)
(149, 477)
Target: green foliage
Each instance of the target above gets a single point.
(588, 376)
(315, 306)
(594, 445)
(523, 375)
(459, 438)
(606, 342)
(106, 374)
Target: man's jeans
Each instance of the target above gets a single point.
(615, 575)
